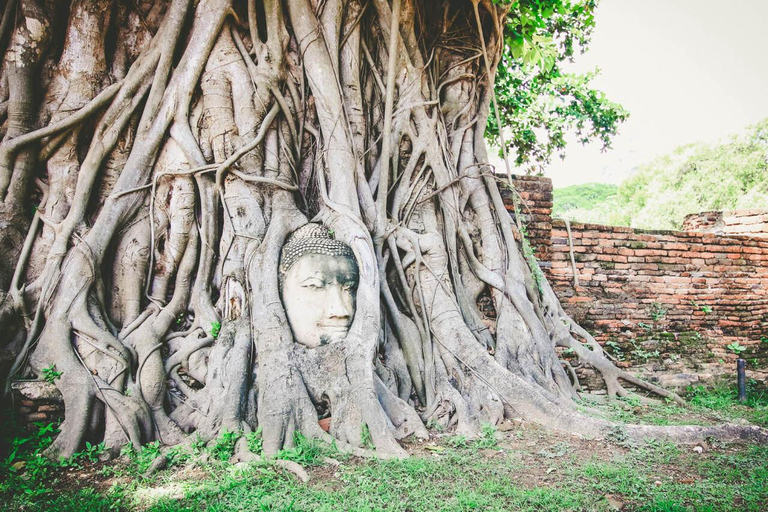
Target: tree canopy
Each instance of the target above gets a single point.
(539, 103)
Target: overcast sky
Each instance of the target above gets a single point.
(687, 71)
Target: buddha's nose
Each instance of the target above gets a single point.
(337, 304)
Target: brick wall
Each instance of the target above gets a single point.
(534, 196)
(37, 401)
(669, 303)
(737, 222)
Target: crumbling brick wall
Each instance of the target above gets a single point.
(37, 402)
(534, 197)
(737, 222)
(669, 303)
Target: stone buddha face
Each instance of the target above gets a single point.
(319, 278)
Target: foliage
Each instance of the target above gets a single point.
(308, 452)
(224, 446)
(50, 374)
(255, 441)
(736, 348)
(539, 103)
(215, 329)
(693, 178)
(580, 197)
(141, 460)
(706, 405)
(24, 467)
(467, 477)
(725, 478)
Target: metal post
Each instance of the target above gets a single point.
(741, 367)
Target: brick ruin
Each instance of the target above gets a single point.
(735, 222)
(676, 306)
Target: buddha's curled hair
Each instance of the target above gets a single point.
(311, 238)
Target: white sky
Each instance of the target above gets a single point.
(687, 71)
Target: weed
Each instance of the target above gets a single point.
(215, 329)
(619, 435)
(704, 308)
(141, 460)
(50, 374)
(736, 348)
(457, 441)
(487, 438)
(308, 452)
(198, 445)
(657, 311)
(645, 355)
(255, 441)
(224, 446)
(365, 437)
(616, 350)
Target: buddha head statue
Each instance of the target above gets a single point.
(318, 282)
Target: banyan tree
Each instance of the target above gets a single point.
(169, 169)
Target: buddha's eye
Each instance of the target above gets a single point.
(313, 284)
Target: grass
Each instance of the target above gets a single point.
(704, 407)
(522, 469)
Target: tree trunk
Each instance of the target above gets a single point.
(170, 149)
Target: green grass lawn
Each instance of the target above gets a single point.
(519, 468)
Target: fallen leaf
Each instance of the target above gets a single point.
(614, 503)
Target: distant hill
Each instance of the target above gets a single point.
(693, 178)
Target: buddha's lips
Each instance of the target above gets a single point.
(336, 327)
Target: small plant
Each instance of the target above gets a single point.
(26, 471)
(487, 438)
(198, 445)
(365, 437)
(224, 447)
(89, 454)
(215, 329)
(645, 355)
(620, 436)
(736, 348)
(309, 452)
(92, 451)
(51, 375)
(142, 459)
(433, 425)
(178, 455)
(255, 441)
(704, 308)
(457, 441)
(616, 350)
(658, 311)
